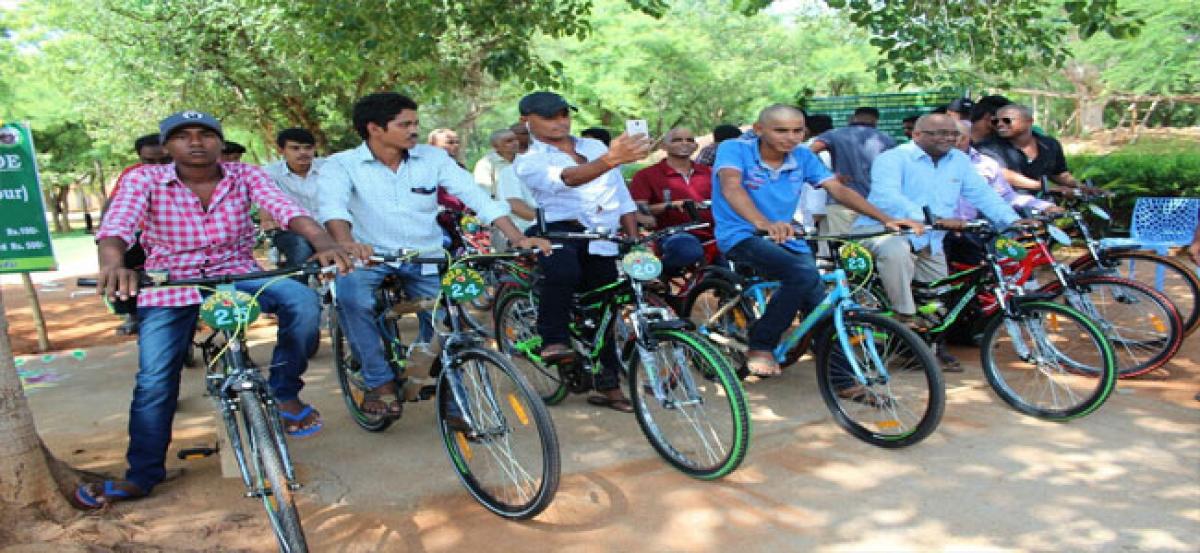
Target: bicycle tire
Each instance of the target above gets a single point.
(892, 411)
(1094, 355)
(1141, 324)
(277, 493)
(497, 423)
(351, 382)
(516, 322)
(723, 449)
(1181, 284)
(736, 322)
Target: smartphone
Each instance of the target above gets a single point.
(636, 126)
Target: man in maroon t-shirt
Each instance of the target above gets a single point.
(665, 187)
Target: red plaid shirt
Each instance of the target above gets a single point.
(183, 238)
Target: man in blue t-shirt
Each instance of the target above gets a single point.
(760, 183)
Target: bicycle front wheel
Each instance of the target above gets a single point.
(270, 478)
(507, 456)
(517, 337)
(1049, 361)
(898, 396)
(1167, 275)
(690, 404)
(1143, 326)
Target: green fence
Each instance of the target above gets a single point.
(893, 108)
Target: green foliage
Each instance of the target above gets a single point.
(1130, 174)
(1169, 43)
(922, 41)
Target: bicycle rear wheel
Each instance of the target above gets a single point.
(900, 397)
(1179, 282)
(690, 404)
(729, 331)
(1050, 362)
(509, 459)
(1143, 327)
(269, 475)
(350, 379)
(517, 337)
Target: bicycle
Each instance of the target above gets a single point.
(879, 379)
(237, 387)
(1063, 366)
(497, 433)
(1178, 282)
(677, 380)
(1143, 325)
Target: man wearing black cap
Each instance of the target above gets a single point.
(232, 151)
(578, 184)
(195, 215)
(960, 109)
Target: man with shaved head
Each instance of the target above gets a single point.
(760, 182)
(665, 188)
(929, 171)
(1027, 156)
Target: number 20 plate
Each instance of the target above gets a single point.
(641, 265)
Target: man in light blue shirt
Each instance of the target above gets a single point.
(382, 197)
(578, 184)
(296, 175)
(760, 182)
(929, 171)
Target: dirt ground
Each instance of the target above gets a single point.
(1126, 478)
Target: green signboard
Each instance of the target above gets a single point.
(893, 107)
(24, 237)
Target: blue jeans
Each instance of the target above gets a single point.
(357, 314)
(163, 336)
(679, 251)
(800, 287)
(293, 248)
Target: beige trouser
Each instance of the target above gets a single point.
(839, 219)
(898, 266)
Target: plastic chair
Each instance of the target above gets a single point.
(1159, 224)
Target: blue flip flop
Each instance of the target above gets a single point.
(297, 418)
(111, 494)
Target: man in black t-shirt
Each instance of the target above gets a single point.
(1026, 156)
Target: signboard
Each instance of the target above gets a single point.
(24, 236)
(893, 108)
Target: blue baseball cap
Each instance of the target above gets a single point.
(189, 118)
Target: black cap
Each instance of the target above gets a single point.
(545, 104)
(961, 105)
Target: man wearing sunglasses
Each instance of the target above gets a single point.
(1028, 157)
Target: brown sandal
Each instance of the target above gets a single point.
(382, 401)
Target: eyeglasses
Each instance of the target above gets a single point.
(1005, 120)
(941, 134)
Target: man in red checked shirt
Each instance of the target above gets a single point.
(194, 216)
(665, 188)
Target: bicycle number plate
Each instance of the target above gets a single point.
(856, 259)
(1099, 212)
(463, 284)
(641, 265)
(228, 308)
(1008, 248)
(470, 224)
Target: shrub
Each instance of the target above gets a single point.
(1132, 175)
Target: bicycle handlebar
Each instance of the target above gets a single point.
(152, 279)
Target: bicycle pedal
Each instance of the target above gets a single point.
(193, 453)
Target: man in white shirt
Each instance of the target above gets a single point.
(578, 184)
(382, 197)
(488, 168)
(296, 175)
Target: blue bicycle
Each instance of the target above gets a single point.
(878, 378)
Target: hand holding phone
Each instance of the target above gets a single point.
(635, 127)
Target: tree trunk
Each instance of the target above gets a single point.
(32, 481)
